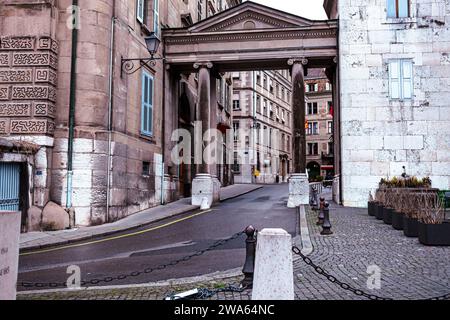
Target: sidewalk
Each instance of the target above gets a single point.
(39, 240)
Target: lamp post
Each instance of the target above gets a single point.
(152, 43)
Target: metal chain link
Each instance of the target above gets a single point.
(84, 283)
(348, 287)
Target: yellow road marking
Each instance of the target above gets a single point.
(116, 237)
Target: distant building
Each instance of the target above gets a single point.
(262, 110)
(319, 132)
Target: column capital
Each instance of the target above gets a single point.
(301, 60)
(199, 65)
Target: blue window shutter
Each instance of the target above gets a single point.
(140, 10)
(394, 79)
(403, 8)
(391, 9)
(407, 76)
(147, 104)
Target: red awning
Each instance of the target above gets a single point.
(330, 167)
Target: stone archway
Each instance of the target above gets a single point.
(255, 37)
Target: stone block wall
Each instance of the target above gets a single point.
(380, 135)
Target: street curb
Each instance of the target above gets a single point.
(108, 233)
(215, 276)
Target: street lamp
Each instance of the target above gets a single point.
(152, 43)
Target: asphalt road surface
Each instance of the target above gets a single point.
(166, 241)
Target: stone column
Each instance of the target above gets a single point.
(298, 182)
(205, 188)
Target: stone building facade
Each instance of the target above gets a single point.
(63, 88)
(395, 96)
(262, 111)
(320, 126)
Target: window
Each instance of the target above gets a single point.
(330, 107)
(312, 108)
(265, 108)
(265, 82)
(236, 166)
(283, 118)
(398, 8)
(145, 168)
(283, 93)
(330, 127)
(313, 128)
(271, 86)
(235, 131)
(288, 147)
(258, 78)
(400, 79)
(140, 9)
(328, 86)
(258, 104)
(311, 87)
(147, 104)
(330, 148)
(156, 17)
(313, 149)
(236, 105)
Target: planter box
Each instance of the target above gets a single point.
(410, 227)
(397, 220)
(387, 215)
(379, 212)
(434, 234)
(371, 208)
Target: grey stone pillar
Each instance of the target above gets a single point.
(204, 105)
(298, 111)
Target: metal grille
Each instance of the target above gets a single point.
(9, 186)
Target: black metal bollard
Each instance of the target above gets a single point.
(321, 215)
(249, 265)
(326, 226)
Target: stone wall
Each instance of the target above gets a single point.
(379, 135)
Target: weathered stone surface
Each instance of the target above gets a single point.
(298, 190)
(34, 219)
(9, 253)
(205, 191)
(54, 217)
(273, 277)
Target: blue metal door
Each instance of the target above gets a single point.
(9, 186)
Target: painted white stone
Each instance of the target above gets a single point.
(205, 190)
(298, 190)
(274, 274)
(9, 254)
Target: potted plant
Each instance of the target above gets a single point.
(410, 217)
(388, 207)
(399, 207)
(380, 195)
(371, 205)
(434, 230)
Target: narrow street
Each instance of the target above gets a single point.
(166, 241)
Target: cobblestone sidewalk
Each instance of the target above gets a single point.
(409, 270)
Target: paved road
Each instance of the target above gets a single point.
(167, 241)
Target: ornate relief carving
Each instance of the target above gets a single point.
(35, 59)
(45, 75)
(4, 59)
(199, 65)
(4, 126)
(16, 75)
(47, 43)
(301, 60)
(15, 109)
(4, 93)
(34, 93)
(17, 43)
(29, 126)
(44, 109)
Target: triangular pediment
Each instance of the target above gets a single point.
(247, 16)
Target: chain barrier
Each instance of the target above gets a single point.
(85, 283)
(346, 286)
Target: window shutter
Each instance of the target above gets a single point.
(140, 10)
(156, 17)
(394, 79)
(407, 88)
(147, 104)
(403, 8)
(391, 9)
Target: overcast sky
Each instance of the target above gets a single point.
(311, 9)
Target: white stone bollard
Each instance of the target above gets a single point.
(274, 272)
(9, 253)
(205, 186)
(298, 190)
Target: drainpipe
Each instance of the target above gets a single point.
(73, 79)
(110, 105)
(163, 125)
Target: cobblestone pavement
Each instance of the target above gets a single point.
(409, 270)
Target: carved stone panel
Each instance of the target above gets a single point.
(17, 43)
(30, 126)
(35, 59)
(45, 75)
(47, 43)
(4, 93)
(44, 109)
(15, 109)
(34, 93)
(16, 75)
(4, 126)
(4, 59)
